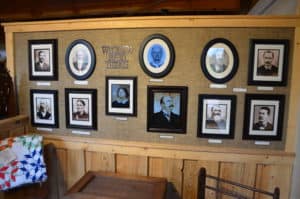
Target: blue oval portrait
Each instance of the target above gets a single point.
(156, 56)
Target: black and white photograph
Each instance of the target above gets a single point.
(167, 109)
(268, 62)
(121, 96)
(219, 60)
(216, 116)
(81, 108)
(157, 55)
(80, 59)
(263, 117)
(44, 108)
(42, 59)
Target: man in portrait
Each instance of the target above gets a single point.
(43, 111)
(80, 63)
(80, 110)
(40, 64)
(219, 58)
(156, 56)
(166, 118)
(267, 68)
(263, 119)
(216, 120)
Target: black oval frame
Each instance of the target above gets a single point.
(93, 59)
(235, 60)
(172, 55)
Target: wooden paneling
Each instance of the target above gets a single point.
(98, 161)
(238, 172)
(75, 166)
(62, 167)
(190, 177)
(167, 168)
(131, 164)
(270, 176)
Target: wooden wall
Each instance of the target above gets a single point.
(180, 166)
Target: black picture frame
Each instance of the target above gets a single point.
(268, 62)
(159, 96)
(83, 50)
(157, 55)
(42, 59)
(216, 116)
(44, 108)
(116, 105)
(219, 60)
(263, 109)
(81, 108)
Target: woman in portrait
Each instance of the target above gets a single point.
(122, 100)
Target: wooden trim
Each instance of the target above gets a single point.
(9, 45)
(170, 150)
(155, 22)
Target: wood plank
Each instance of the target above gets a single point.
(167, 168)
(98, 161)
(238, 172)
(270, 176)
(75, 166)
(153, 22)
(62, 166)
(132, 165)
(190, 177)
(171, 151)
(293, 103)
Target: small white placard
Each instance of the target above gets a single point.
(217, 86)
(121, 118)
(44, 129)
(156, 80)
(239, 90)
(166, 136)
(43, 84)
(81, 82)
(261, 143)
(82, 132)
(265, 88)
(214, 141)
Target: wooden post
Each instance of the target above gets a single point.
(201, 183)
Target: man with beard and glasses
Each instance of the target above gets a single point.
(263, 120)
(156, 56)
(165, 118)
(267, 69)
(43, 112)
(216, 121)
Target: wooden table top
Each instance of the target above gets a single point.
(105, 185)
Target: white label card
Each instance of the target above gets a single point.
(214, 141)
(81, 82)
(217, 86)
(43, 84)
(166, 136)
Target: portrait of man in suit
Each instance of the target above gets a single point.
(166, 117)
(80, 62)
(42, 61)
(268, 66)
(219, 60)
(156, 56)
(216, 117)
(263, 121)
(43, 110)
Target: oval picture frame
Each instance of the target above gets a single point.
(80, 59)
(219, 60)
(157, 55)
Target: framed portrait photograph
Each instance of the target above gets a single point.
(121, 96)
(263, 119)
(219, 60)
(268, 62)
(81, 108)
(216, 116)
(80, 59)
(157, 55)
(167, 109)
(42, 59)
(44, 108)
